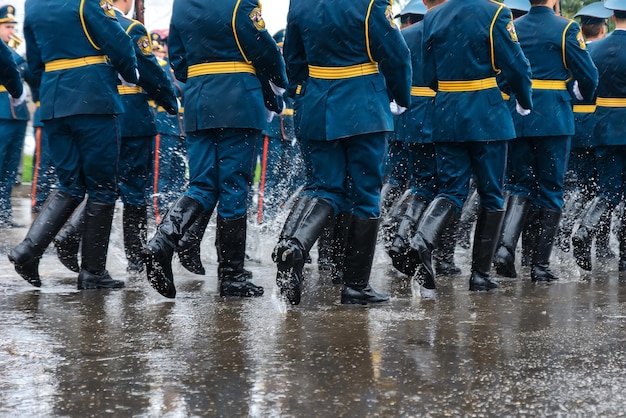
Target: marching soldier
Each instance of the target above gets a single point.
(13, 120)
(342, 116)
(471, 125)
(557, 52)
(221, 64)
(77, 68)
(609, 138)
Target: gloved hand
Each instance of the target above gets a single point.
(277, 90)
(126, 83)
(269, 115)
(576, 90)
(520, 109)
(396, 109)
(16, 101)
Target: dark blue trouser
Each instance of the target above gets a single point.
(220, 168)
(422, 166)
(169, 162)
(397, 170)
(348, 173)
(44, 175)
(457, 161)
(85, 151)
(612, 172)
(537, 169)
(134, 169)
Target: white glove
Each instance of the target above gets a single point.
(277, 90)
(178, 104)
(282, 112)
(16, 101)
(520, 109)
(126, 83)
(396, 109)
(576, 90)
(269, 115)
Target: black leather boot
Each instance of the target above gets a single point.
(332, 249)
(188, 248)
(583, 237)
(67, 241)
(392, 221)
(57, 209)
(159, 250)
(298, 236)
(231, 255)
(622, 245)
(359, 258)
(486, 237)
(398, 251)
(572, 209)
(96, 233)
(444, 255)
(530, 232)
(135, 228)
(389, 193)
(549, 225)
(469, 213)
(427, 237)
(504, 259)
(603, 238)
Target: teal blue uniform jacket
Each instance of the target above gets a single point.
(480, 115)
(610, 58)
(557, 52)
(91, 30)
(414, 125)
(329, 109)
(138, 119)
(223, 97)
(7, 111)
(10, 76)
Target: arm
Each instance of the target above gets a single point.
(10, 75)
(579, 62)
(295, 57)
(177, 55)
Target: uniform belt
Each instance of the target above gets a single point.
(3, 89)
(129, 90)
(549, 84)
(579, 108)
(611, 102)
(67, 63)
(467, 85)
(337, 73)
(219, 68)
(422, 92)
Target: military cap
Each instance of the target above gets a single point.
(7, 14)
(594, 13)
(617, 5)
(156, 39)
(415, 7)
(279, 37)
(521, 5)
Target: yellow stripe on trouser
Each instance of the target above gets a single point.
(422, 92)
(584, 108)
(219, 68)
(611, 102)
(66, 64)
(129, 90)
(549, 84)
(338, 73)
(461, 86)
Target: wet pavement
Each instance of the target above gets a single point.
(524, 350)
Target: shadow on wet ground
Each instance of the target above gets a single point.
(524, 350)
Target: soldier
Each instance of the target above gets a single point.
(219, 49)
(581, 178)
(79, 104)
(339, 76)
(609, 138)
(137, 131)
(556, 50)
(471, 125)
(13, 120)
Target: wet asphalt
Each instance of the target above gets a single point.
(524, 350)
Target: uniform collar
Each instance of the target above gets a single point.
(541, 9)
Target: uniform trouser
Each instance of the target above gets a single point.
(537, 169)
(220, 168)
(11, 143)
(169, 165)
(134, 169)
(44, 174)
(612, 172)
(582, 172)
(85, 152)
(348, 173)
(458, 161)
(422, 165)
(397, 171)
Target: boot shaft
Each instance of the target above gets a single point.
(360, 252)
(516, 212)
(230, 242)
(434, 221)
(486, 238)
(548, 227)
(178, 219)
(314, 216)
(96, 233)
